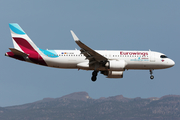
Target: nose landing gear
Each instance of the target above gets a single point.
(94, 75)
(151, 72)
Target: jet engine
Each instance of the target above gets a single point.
(114, 65)
(113, 74)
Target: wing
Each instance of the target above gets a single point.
(90, 54)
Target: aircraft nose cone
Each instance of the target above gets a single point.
(171, 63)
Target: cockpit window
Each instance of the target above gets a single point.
(163, 56)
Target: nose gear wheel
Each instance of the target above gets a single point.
(151, 72)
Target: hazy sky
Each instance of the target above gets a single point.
(102, 24)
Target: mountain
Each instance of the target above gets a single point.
(80, 106)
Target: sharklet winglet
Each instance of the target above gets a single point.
(74, 36)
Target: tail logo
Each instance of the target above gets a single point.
(16, 29)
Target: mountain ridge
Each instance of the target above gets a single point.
(80, 106)
(84, 96)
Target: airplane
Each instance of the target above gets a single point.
(111, 63)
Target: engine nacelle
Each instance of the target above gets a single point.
(116, 65)
(113, 74)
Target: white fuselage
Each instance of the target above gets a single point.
(134, 59)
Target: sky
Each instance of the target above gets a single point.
(102, 25)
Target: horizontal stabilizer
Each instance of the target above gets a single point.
(17, 52)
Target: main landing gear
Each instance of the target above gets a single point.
(94, 75)
(151, 72)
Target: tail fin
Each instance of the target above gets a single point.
(24, 48)
(20, 39)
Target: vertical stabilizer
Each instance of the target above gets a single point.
(24, 48)
(20, 38)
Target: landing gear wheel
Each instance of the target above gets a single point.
(151, 72)
(151, 77)
(94, 75)
(93, 78)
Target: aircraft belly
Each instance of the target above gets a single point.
(63, 62)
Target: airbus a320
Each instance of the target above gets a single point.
(110, 63)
